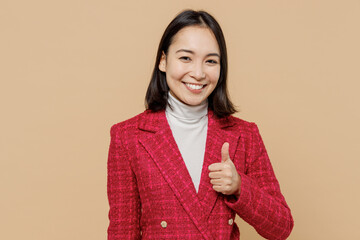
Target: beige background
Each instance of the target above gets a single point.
(71, 69)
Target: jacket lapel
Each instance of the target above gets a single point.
(159, 142)
(219, 132)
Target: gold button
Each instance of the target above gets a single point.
(163, 224)
(231, 221)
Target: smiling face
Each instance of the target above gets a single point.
(192, 64)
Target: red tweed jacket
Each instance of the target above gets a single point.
(151, 194)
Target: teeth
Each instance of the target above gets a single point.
(193, 86)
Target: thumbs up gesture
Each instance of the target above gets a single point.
(223, 175)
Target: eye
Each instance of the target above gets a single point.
(185, 58)
(211, 61)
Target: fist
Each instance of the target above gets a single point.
(223, 175)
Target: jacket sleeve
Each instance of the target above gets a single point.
(123, 196)
(261, 203)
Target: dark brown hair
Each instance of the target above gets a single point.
(157, 92)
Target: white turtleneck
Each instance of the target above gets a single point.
(189, 128)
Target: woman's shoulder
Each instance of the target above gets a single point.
(128, 123)
(135, 122)
(242, 125)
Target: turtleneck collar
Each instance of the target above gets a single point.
(185, 112)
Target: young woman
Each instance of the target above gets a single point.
(185, 167)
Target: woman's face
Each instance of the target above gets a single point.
(192, 65)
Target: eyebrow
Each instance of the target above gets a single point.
(192, 52)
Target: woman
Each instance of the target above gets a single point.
(183, 168)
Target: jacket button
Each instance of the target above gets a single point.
(231, 221)
(163, 224)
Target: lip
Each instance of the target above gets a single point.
(196, 91)
(199, 84)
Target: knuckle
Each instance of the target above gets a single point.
(227, 166)
(228, 174)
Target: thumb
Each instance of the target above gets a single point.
(225, 152)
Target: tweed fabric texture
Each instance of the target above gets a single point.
(151, 194)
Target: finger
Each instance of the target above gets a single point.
(217, 182)
(214, 175)
(215, 167)
(225, 152)
(217, 188)
(221, 189)
(221, 181)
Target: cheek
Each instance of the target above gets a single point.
(214, 75)
(176, 72)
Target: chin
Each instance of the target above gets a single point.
(194, 102)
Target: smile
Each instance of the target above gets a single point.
(195, 86)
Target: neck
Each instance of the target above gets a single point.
(186, 112)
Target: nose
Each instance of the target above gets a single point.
(197, 72)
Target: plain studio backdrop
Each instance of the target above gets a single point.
(72, 69)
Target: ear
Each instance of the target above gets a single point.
(162, 64)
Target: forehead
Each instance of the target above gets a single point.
(195, 38)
